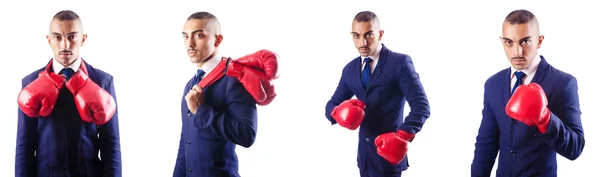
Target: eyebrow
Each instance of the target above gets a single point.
(195, 31)
(370, 31)
(522, 39)
(58, 34)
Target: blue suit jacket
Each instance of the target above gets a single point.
(524, 151)
(62, 144)
(393, 82)
(209, 137)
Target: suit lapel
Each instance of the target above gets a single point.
(541, 71)
(378, 69)
(506, 86)
(91, 72)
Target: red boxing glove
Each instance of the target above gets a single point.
(39, 97)
(264, 60)
(393, 146)
(255, 72)
(93, 102)
(528, 105)
(349, 114)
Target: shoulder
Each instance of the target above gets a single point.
(31, 76)
(397, 58)
(353, 63)
(99, 74)
(560, 75)
(496, 78)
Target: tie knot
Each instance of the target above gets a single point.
(200, 73)
(519, 75)
(66, 72)
(368, 60)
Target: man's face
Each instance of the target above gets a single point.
(521, 42)
(66, 38)
(366, 36)
(200, 39)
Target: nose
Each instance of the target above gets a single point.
(364, 41)
(518, 50)
(64, 44)
(190, 43)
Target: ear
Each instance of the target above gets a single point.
(219, 40)
(501, 40)
(83, 38)
(540, 40)
(48, 38)
(381, 34)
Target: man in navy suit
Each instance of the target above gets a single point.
(530, 110)
(382, 81)
(67, 112)
(219, 104)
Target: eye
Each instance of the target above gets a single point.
(57, 37)
(508, 42)
(70, 37)
(525, 42)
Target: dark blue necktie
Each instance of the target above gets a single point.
(66, 72)
(366, 73)
(519, 75)
(199, 74)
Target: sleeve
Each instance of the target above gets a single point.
(237, 123)
(565, 130)
(110, 146)
(342, 93)
(411, 86)
(26, 146)
(487, 142)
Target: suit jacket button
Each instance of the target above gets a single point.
(67, 141)
(368, 139)
(513, 122)
(512, 152)
(188, 143)
(189, 115)
(189, 170)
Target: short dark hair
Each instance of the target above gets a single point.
(365, 16)
(520, 16)
(201, 15)
(66, 15)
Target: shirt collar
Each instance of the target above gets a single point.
(211, 64)
(529, 70)
(57, 66)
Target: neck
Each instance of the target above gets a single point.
(67, 62)
(201, 63)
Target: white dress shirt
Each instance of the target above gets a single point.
(57, 67)
(211, 64)
(374, 57)
(529, 72)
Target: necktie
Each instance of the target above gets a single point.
(199, 74)
(366, 73)
(520, 75)
(66, 72)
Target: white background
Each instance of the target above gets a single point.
(454, 45)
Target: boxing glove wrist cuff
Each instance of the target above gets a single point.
(405, 135)
(543, 126)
